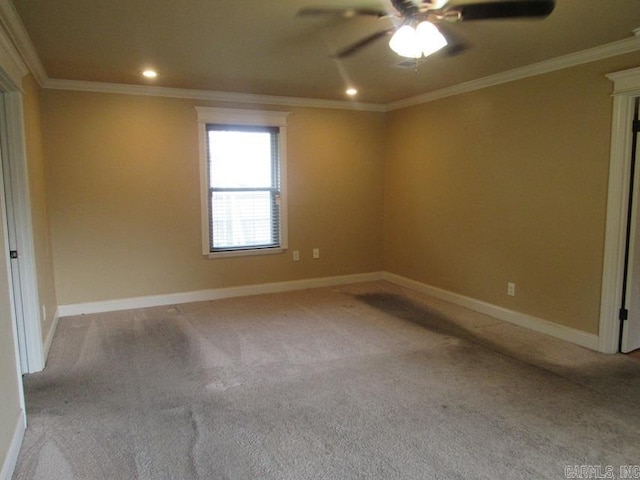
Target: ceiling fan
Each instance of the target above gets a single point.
(422, 24)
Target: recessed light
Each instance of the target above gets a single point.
(150, 74)
(351, 92)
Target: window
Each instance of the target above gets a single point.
(242, 181)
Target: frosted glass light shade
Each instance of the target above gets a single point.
(405, 43)
(429, 38)
(425, 40)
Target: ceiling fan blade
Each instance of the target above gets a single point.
(505, 9)
(351, 49)
(342, 12)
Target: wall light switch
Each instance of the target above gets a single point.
(316, 253)
(296, 255)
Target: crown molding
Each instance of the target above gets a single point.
(613, 49)
(17, 33)
(19, 39)
(574, 59)
(127, 89)
(13, 65)
(13, 68)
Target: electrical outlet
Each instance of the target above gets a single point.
(296, 255)
(316, 253)
(511, 289)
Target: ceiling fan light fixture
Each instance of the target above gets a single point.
(405, 43)
(411, 42)
(429, 38)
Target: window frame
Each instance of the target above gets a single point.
(250, 118)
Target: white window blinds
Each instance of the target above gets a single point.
(244, 187)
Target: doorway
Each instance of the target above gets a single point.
(19, 225)
(616, 290)
(630, 309)
(12, 239)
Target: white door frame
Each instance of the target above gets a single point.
(9, 223)
(626, 89)
(31, 315)
(12, 70)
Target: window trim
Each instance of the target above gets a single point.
(257, 118)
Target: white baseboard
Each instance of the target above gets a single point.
(213, 294)
(52, 332)
(572, 335)
(9, 464)
(568, 334)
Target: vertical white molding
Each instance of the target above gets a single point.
(626, 88)
(10, 456)
(52, 332)
(12, 69)
(24, 232)
(204, 188)
(284, 204)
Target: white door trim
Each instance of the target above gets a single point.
(626, 88)
(24, 232)
(12, 70)
(5, 251)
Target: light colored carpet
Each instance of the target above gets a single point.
(366, 381)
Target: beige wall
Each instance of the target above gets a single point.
(37, 194)
(124, 202)
(506, 184)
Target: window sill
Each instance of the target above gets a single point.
(245, 253)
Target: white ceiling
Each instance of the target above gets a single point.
(261, 47)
